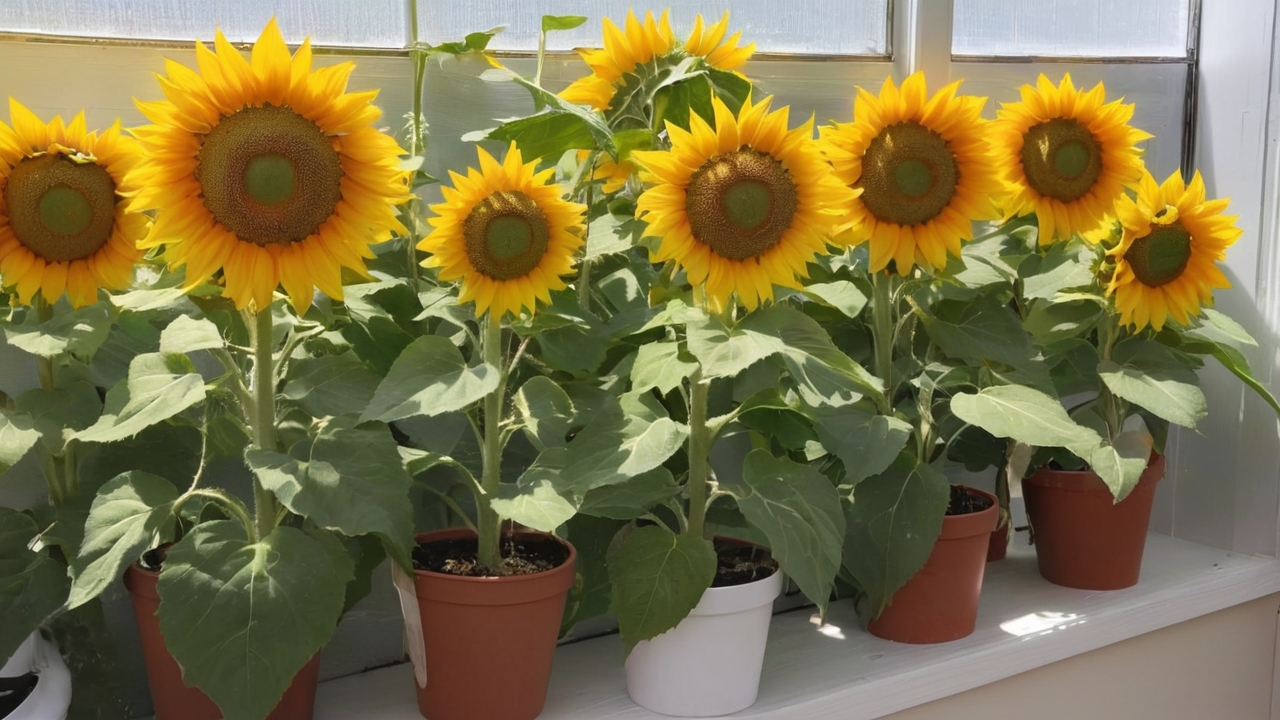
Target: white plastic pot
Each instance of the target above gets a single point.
(710, 663)
(52, 694)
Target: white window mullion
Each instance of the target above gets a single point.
(922, 39)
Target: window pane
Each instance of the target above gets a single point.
(1079, 28)
(366, 23)
(848, 27)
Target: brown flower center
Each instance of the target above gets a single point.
(269, 175)
(1161, 256)
(506, 235)
(61, 209)
(1061, 159)
(909, 174)
(740, 203)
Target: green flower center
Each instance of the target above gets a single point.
(740, 203)
(1061, 159)
(1161, 256)
(61, 209)
(909, 175)
(506, 235)
(269, 175)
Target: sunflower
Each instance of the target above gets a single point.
(504, 231)
(268, 171)
(924, 170)
(65, 226)
(1067, 156)
(640, 44)
(742, 207)
(1165, 262)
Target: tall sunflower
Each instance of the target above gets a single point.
(268, 171)
(640, 44)
(1067, 156)
(1165, 262)
(924, 170)
(506, 233)
(65, 226)
(741, 207)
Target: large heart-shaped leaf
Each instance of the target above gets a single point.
(330, 385)
(242, 618)
(866, 442)
(187, 334)
(660, 365)
(616, 446)
(80, 332)
(1149, 375)
(545, 411)
(632, 498)
(158, 387)
(658, 578)
(17, 435)
(535, 502)
(724, 351)
(32, 584)
(131, 514)
(344, 478)
(430, 378)
(823, 374)
(1026, 415)
(798, 509)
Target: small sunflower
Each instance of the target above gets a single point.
(65, 226)
(506, 233)
(268, 171)
(640, 44)
(614, 174)
(741, 207)
(923, 168)
(1165, 262)
(1067, 156)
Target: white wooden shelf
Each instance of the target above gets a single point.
(838, 670)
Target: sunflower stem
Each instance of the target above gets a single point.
(263, 416)
(59, 472)
(882, 328)
(699, 454)
(489, 553)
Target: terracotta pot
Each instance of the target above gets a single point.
(940, 603)
(173, 699)
(998, 546)
(1084, 539)
(489, 641)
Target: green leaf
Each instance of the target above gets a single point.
(158, 387)
(986, 331)
(1026, 415)
(242, 618)
(1120, 468)
(631, 498)
(893, 521)
(617, 446)
(865, 442)
(841, 295)
(1062, 267)
(561, 22)
(561, 126)
(609, 234)
(545, 412)
(73, 405)
(32, 584)
(590, 597)
(80, 333)
(1054, 322)
(17, 435)
(430, 378)
(130, 515)
(725, 352)
(824, 374)
(798, 509)
(344, 478)
(1235, 361)
(1149, 375)
(659, 365)
(535, 502)
(187, 335)
(330, 385)
(1216, 327)
(658, 579)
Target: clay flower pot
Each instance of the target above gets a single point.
(940, 603)
(489, 640)
(173, 699)
(998, 547)
(1084, 539)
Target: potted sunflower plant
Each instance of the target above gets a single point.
(67, 233)
(1118, 293)
(263, 174)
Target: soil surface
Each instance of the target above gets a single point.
(520, 556)
(964, 502)
(739, 564)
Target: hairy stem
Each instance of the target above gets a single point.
(263, 416)
(490, 524)
(699, 454)
(882, 328)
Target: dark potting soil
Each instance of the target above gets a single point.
(520, 556)
(739, 564)
(964, 502)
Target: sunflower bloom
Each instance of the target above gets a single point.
(65, 226)
(924, 170)
(267, 171)
(741, 207)
(1166, 260)
(1067, 156)
(504, 231)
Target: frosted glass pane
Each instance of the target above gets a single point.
(815, 27)
(1080, 28)
(364, 23)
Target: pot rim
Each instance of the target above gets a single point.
(1087, 482)
(452, 533)
(971, 523)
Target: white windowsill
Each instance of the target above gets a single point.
(840, 671)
